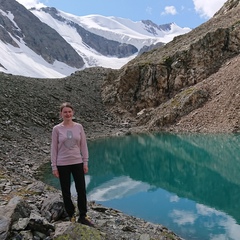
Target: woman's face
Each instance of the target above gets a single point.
(67, 114)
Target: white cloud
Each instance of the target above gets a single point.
(208, 8)
(174, 198)
(169, 10)
(182, 217)
(149, 10)
(206, 211)
(31, 3)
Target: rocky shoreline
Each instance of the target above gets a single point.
(29, 110)
(23, 195)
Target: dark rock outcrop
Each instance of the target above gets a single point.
(150, 26)
(150, 48)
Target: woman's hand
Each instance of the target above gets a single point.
(55, 173)
(85, 169)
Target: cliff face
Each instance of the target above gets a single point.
(167, 77)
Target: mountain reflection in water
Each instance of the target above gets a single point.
(188, 182)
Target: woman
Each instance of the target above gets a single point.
(69, 156)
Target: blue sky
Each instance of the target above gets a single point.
(185, 13)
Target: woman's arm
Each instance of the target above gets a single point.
(54, 149)
(84, 150)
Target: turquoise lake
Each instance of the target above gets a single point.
(189, 183)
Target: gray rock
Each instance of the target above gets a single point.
(39, 223)
(21, 224)
(11, 213)
(27, 235)
(53, 208)
(4, 226)
(17, 208)
(144, 237)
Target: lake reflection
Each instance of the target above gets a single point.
(190, 183)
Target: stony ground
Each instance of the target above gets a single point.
(222, 112)
(29, 109)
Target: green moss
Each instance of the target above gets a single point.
(79, 231)
(50, 188)
(24, 192)
(187, 91)
(176, 101)
(1, 175)
(170, 236)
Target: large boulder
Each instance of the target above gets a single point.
(15, 209)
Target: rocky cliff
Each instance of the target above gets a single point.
(157, 88)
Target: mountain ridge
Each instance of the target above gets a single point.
(27, 34)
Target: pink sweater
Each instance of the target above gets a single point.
(69, 145)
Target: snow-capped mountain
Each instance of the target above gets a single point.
(50, 43)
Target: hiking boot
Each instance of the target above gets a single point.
(85, 221)
(73, 219)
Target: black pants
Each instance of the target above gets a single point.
(77, 172)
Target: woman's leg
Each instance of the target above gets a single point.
(65, 182)
(79, 179)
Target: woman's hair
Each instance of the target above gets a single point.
(65, 104)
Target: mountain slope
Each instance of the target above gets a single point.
(111, 29)
(62, 43)
(24, 34)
